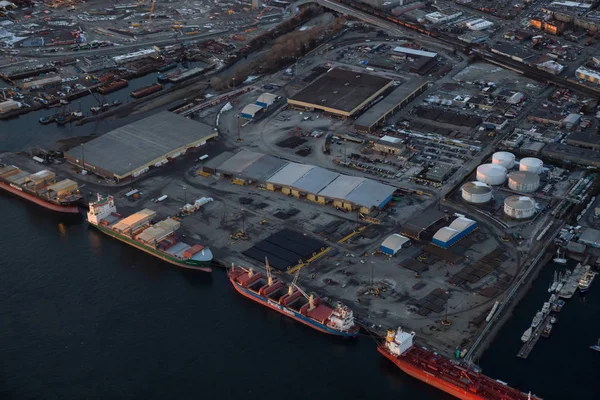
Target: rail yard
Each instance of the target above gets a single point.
(428, 160)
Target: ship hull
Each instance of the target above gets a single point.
(430, 379)
(69, 209)
(289, 312)
(202, 266)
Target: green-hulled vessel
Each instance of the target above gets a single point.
(157, 239)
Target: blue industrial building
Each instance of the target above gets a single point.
(450, 235)
(393, 243)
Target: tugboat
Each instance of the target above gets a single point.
(547, 331)
(69, 117)
(558, 306)
(105, 106)
(49, 119)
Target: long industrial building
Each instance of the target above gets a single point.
(134, 148)
(316, 184)
(341, 93)
(389, 105)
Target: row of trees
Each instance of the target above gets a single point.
(284, 51)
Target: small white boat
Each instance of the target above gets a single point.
(560, 259)
(596, 346)
(546, 308)
(539, 316)
(554, 284)
(527, 335)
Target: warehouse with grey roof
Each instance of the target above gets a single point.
(316, 184)
(135, 148)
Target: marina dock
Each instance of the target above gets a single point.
(535, 336)
(570, 287)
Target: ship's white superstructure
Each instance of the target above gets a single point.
(100, 209)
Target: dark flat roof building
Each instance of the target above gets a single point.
(576, 155)
(340, 92)
(582, 139)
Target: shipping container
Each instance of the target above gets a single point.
(193, 250)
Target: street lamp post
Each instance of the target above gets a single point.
(184, 195)
(82, 156)
(131, 175)
(243, 221)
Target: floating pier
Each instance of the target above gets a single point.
(535, 336)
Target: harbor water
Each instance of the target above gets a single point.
(86, 317)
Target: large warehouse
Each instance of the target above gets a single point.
(299, 180)
(340, 92)
(132, 149)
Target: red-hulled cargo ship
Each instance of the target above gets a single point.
(113, 86)
(293, 302)
(147, 91)
(442, 373)
(41, 188)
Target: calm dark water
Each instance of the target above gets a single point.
(562, 366)
(84, 317)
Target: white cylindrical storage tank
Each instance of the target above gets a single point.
(523, 181)
(531, 164)
(519, 207)
(492, 174)
(504, 158)
(476, 192)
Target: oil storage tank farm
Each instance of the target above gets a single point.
(523, 181)
(504, 158)
(531, 164)
(519, 207)
(492, 174)
(476, 192)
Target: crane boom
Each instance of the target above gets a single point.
(269, 276)
(151, 12)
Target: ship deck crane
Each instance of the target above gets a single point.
(293, 284)
(269, 275)
(310, 298)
